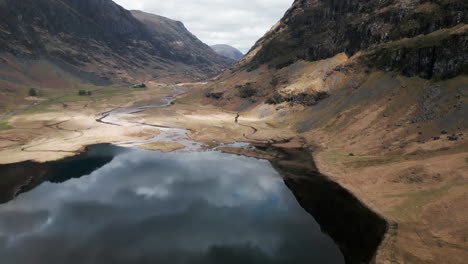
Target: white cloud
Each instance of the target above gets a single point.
(237, 23)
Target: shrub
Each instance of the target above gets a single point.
(309, 99)
(216, 96)
(321, 95)
(276, 99)
(247, 91)
(33, 92)
(304, 99)
(138, 86)
(85, 93)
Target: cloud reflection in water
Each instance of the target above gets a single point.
(150, 207)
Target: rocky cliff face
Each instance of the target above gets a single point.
(319, 29)
(101, 37)
(227, 51)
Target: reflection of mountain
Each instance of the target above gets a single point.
(355, 228)
(76, 168)
(25, 176)
(19, 176)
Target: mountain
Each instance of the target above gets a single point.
(359, 25)
(323, 46)
(227, 51)
(183, 44)
(101, 37)
(61, 45)
(378, 90)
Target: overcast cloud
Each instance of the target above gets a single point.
(239, 23)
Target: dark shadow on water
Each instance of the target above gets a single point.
(21, 177)
(356, 229)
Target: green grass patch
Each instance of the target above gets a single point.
(4, 125)
(432, 39)
(73, 96)
(370, 161)
(416, 201)
(192, 98)
(115, 91)
(107, 94)
(359, 162)
(42, 108)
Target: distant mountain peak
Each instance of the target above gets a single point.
(227, 51)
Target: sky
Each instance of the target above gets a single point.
(239, 23)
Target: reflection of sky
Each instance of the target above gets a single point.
(150, 207)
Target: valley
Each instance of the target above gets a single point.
(406, 193)
(210, 131)
(359, 108)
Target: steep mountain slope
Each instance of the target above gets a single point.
(182, 44)
(379, 91)
(88, 33)
(227, 51)
(93, 41)
(314, 30)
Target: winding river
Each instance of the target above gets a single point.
(120, 116)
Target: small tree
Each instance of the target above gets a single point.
(82, 93)
(33, 92)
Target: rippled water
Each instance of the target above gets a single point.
(122, 205)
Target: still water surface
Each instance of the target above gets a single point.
(122, 205)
